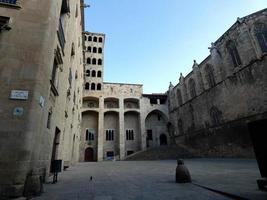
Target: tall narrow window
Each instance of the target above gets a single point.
(90, 38)
(89, 61)
(129, 134)
(54, 72)
(48, 124)
(149, 134)
(180, 127)
(54, 76)
(89, 49)
(261, 34)
(93, 73)
(179, 97)
(94, 61)
(87, 86)
(72, 49)
(100, 40)
(215, 115)
(94, 50)
(93, 86)
(99, 50)
(99, 62)
(99, 86)
(99, 74)
(210, 75)
(76, 11)
(95, 39)
(231, 47)
(89, 135)
(109, 135)
(87, 72)
(192, 88)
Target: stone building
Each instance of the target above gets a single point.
(213, 108)
(41, 78)
(117, 118)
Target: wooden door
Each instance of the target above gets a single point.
(89, 155)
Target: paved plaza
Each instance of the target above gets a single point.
(155, 180)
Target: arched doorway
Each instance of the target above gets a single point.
(89, 155)
(163, 139)
(156, 124)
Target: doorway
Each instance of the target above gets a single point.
(55, 145)
(89, 155)
(163, 139)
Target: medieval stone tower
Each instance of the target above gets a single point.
(116, 117)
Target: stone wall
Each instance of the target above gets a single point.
(226, 95)
(27, 53)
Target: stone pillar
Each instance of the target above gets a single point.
(100, 130)
(198, 78)
(143, 131)
(216, 61)
(121, 127)
(183, 88)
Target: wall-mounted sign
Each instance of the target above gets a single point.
(18, 111)
(41, 101)
(19, 94)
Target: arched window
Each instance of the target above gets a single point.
(93, 86)
(209, 75)
(261, 34)
(99, 74)
(215, 115)
(89, 136)
(93, 73)
(179, 97)
(180, 127)
(90, 38)
(99, 86)
(95, 39)
(89, 49)
(231, 47)
(87, 86)
(99, 62)
(94, 50)
(85, 38)
(88, 60)
(87, 72)
(94, 61)
(100, 40)
(72, 49)
(99, 50)
(192, 88)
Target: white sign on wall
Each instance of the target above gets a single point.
(41, 101)
(19, 94)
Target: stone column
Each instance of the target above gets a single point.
(142, 127)
(100, 130)
(121, 128)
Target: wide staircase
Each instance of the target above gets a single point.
(163, 153)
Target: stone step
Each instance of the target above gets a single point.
(163, 153)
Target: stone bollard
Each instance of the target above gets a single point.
(182, 173)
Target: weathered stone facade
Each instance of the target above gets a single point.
(116, 117)
(211, 108)
(41, 78)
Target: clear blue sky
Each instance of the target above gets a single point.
(151, 41)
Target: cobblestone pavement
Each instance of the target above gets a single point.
(154, 180)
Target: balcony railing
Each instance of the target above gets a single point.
(61, 35)
(9, 1)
